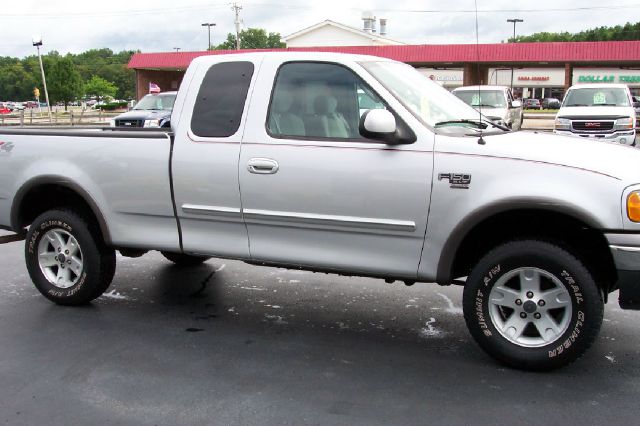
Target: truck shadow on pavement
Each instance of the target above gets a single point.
(347, 349)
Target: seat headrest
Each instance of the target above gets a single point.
(325, 104)
(282, 102)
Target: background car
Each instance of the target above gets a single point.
(154, 110)
(495, 102)
(551, 103)
(532, 104)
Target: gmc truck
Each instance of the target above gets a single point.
(353, 165)
(600, 111)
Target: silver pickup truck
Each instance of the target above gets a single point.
(349, 164)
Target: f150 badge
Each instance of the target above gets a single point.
(456, 180)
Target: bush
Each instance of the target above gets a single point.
(112, 106)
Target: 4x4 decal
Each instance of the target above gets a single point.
(6, 146)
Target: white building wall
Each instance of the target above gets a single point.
(329, 36)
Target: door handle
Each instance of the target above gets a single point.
(263, 166)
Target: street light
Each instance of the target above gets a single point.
(177, 49)
(515, 21)
(37, 42)
(209, 25)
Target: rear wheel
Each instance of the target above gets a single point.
(67, 260)
(532, 305)
(181, 259)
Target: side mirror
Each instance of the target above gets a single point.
(516, 104)
(378, 124)
(381, 124)
(636, 104)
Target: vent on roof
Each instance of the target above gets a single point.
(369, 22)
(383, 26)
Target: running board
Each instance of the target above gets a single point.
(12, 238)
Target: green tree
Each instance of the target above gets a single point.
(63, 81)
(252, 38)
(628, 31)
(99, 87)
(16, 84)
(110, 66)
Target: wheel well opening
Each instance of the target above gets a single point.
(42, 198)
(575, 236)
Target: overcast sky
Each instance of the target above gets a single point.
(161, 25)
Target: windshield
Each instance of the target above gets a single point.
(427, 100)
(157, 102)
(483, 98)
(597, 96)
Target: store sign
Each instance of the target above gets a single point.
(534, 78)
(446, 77)
(527, 77)
(596, 79)
(607, 75)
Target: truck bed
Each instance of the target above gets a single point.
(124, 174)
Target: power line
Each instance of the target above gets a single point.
(165, 10)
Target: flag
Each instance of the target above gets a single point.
(154, 88)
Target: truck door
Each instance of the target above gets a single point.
(205, 158)
(314, 192)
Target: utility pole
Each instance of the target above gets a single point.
(237, 8)
(515, 21)
(37, 42)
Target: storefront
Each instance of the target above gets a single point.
(540, 70)
(536, 83)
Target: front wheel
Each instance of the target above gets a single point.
(67, 260)
(532, 305)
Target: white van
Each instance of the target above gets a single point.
(600, 111)
(495, 102)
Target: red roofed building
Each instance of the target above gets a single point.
(540, 69)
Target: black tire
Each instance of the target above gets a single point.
(181, 259)
(558, 270)
(98, 261)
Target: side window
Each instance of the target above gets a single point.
(318, 100)
(221, 99)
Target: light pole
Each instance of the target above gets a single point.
(37, 42)
(209, 25)
(177, 49)
(515, 21)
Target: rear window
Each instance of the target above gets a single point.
(596, 96)
(221, 99)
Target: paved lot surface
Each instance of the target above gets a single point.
(229, 343)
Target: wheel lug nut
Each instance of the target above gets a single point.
(518, 302)
(69, 262)
(66, 252)
(541, 303)
(523, 315)
(59, 250)
(529, 294)
(56, 258)
(537, 315)
(62, 266)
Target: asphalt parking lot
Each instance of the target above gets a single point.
(229, 343)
